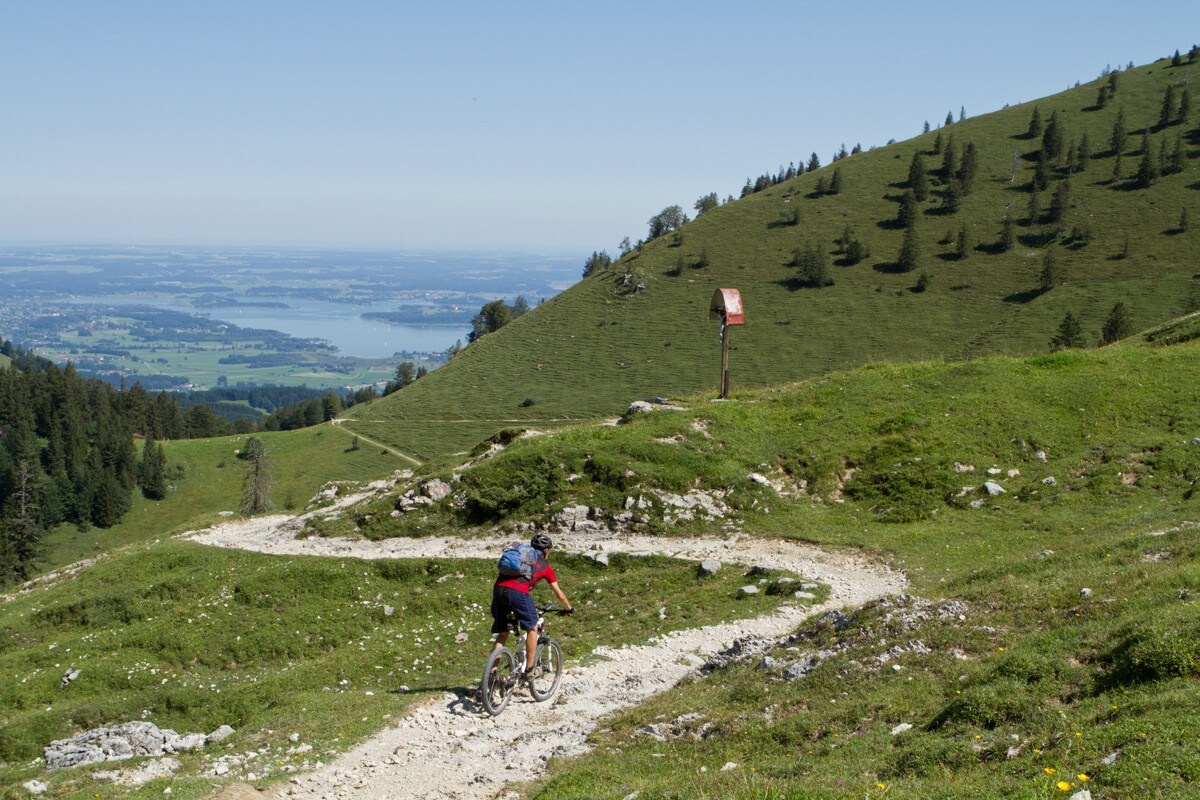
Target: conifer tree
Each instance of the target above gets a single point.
(1070, 334)
(1176, 163)
(835, 185)
(1185, 106)
(1117, 325)
(1049, 277)
(926, 129)
(1167, 112)
(256, 486)
(1147, 172)
(952, 195)
(1060, 202)
(1035, 123)
(949, 160)
(813, 163)
(1112, 83)
(968, 167)
(918, 180)
(1117, 140)
(152, 471)
(1176, 59)
(1083, 153)
(1008, 234)
(949, 118)
(962, 249)
(1041, 172)
(1033, 210)
(910, 254)
(938, 144)
(907, 215)
(1052, 138)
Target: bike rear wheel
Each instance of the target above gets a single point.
(498, 682)
(547, 665)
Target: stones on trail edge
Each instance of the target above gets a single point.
(709, 567)
(127, 740)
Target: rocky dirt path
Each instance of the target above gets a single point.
(449, 748)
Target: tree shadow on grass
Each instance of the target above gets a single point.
(1025, 297)
(889, 268)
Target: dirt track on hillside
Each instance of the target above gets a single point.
(449, 748)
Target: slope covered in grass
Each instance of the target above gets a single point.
(327, 650)
(1053, 629)
(209, 479)
(601, 344)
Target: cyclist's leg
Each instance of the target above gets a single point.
(500, 615)
(526, 612)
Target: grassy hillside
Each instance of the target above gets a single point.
(326, 649)
(4, 361)
(1058, 619)
(598, 346)
(211, 483)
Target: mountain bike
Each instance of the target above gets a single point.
(504, 669)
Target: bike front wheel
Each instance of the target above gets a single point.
(547, 666)
(498, 682)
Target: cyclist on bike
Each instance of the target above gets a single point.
(511, 596)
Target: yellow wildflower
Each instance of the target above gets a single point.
(1083, 777)
(1049, 770)
(1063, 786)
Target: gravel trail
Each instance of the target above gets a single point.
(450, 748)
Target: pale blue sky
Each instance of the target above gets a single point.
(521, 125)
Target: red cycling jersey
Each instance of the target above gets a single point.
(542, 571)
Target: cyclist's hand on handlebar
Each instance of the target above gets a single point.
(566, 612)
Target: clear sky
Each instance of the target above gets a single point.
(560, 125)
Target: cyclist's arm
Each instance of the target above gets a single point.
(562, 598)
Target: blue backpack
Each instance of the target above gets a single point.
(517, 561)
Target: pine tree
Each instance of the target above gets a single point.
(1117, 325)
(835, 185)
(926, 129)
(949, 160)
(1176, 59)
(256, 487)
(21, 532)
(1049, 277)
(1117, 139)
(1035, 124)
(910, 254)
(1041, 172)
(969, 167)
(1112, 83)
(1102, 96)
(1167, 112)
(1008, 234)
(949, 118)
(1060, 202)
(1083, 154)
(152, 471)
(952, 195)
(962, 249)
(1052, 138)
(918, 180)
(1147, 172)
(814, 162)
(1033, 210)
(1185, 106)
(1070, 334)
(938, 144)
(1116, 173)
(907, 215)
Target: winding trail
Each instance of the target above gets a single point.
(337, 421)
(449, 748)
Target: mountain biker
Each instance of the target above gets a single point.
(512, 595)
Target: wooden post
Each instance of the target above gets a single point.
(724, 359)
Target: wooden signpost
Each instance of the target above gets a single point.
(727, 303)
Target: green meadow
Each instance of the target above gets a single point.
(593, 349)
